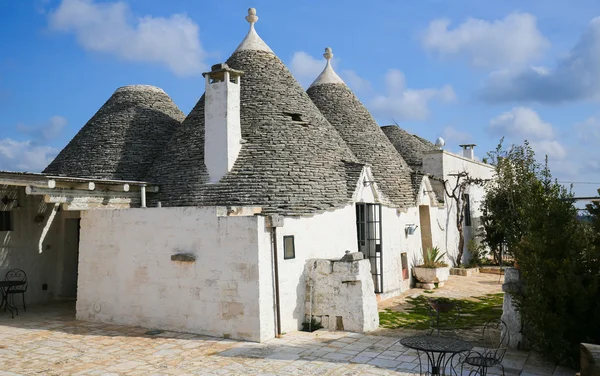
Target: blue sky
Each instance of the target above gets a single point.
(466, 70)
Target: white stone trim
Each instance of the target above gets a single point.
(328, 76)
(252, 41)
(359, 195)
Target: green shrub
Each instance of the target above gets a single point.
(560, 266)
(478, 253)
(558, 255)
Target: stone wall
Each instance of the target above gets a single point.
(510, 315)
(127, 274)
(340, 294)
(326, 235)
(442, 164)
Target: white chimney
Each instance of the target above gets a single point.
(222, 128)
(468, 150)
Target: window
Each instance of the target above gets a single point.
(404, 259)
(361, 223)
(6, 221)
(467, 204)
(289, 251)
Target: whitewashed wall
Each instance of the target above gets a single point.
(396, 242)
(326, 235)
(441, 164)
(223, 131)
(126, 275)
(37, 247)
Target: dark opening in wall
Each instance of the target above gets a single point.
(6, 223)
(296, 118)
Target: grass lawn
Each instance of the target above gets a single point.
(473, 313)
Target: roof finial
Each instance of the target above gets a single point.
(252, 17)
(328, 76)
(252, 40)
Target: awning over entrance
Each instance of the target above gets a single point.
(81, 194)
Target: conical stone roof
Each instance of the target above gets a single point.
(362, 134)
(286, 165)
(428, 144)
(409, 146)
(123, 138)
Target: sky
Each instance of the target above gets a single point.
(469, 71)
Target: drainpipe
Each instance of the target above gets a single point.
(276, 271)
(143, 193)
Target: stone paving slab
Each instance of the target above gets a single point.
(47, 340)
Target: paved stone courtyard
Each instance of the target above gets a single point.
(47, 340)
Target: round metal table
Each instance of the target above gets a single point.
(437, 348)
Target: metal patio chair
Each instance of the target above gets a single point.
(495, 344)
(16, 275)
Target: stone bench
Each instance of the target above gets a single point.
(465, 272)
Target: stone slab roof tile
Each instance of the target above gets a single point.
(353, 171)
(285, 166)
(408, 145)
(123, 138)
(366, 140)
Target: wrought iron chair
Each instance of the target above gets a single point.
(495, 344)
(443, 317)
(17, 275)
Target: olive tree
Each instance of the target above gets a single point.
(559, 262)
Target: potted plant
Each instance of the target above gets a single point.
(434, 271)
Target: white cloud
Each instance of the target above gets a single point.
(47, 131)
(521, 122)
(24, 155)
(306, 68)
(454, 136)
(402, 103)
(106, 27)
(552, 148)
(35, 154)
(514, 40)
(592, 166)
(575, 77)
(524, 123)
(355, 82)
(589, 130)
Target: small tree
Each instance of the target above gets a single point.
(559, 262)
(593, 210)
(456, 192)
(509, 195)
